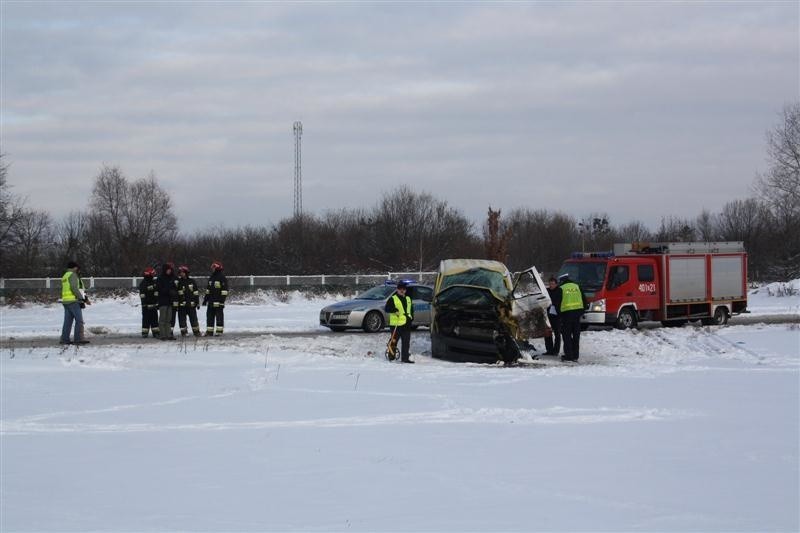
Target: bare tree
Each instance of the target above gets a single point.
(138, 217)
(780, 185)
(303, 245)
(779, 188)
(595, 232)
(70, 237)
(409, 230)
(706, 226)
(6, 201)
(748, 221)
(634, 231)
(32, 236)
(675, 229)
(541, 238)
(11, 211)
(151, 218)
(742, 220)
(24, 233)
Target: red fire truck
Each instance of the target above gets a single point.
(671, 282)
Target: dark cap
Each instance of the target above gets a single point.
(402, 284)
(563, 277)
(73, 264)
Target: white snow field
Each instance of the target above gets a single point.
(661, 429)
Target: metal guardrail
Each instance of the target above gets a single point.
(254, 281)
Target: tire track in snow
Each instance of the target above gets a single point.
(552, 415)
(116, 408)
(712, 343)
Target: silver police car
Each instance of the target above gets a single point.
(366, 311)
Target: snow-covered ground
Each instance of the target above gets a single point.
(262, 312)
(689, 429)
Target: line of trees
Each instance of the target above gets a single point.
(130, 224)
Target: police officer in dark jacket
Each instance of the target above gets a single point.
(188, 301)
(148, 294)
(216, 293)
(167, 299)
(552, 342)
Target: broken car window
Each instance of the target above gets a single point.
(479, 277)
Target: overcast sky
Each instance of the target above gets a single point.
(636, 109)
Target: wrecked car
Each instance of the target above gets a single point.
(481, 314)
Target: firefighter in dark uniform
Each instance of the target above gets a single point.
(401, 315)
(570, 311)
(175, 302)
(148, 294)
(167, 300)
(216, 293)
(188, 301)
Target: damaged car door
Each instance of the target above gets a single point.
(530, 303)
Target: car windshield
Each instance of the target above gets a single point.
(380, 292)
(478, 277)
(465, 296)
(589, 275)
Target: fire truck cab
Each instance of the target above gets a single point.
(670, 282)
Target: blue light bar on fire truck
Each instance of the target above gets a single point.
(588, 255)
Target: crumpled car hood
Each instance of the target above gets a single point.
(467, 300)
(521, 323)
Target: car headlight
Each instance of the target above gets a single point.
(598, 306)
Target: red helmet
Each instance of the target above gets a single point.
(150, 272)
(184, 269)
(216, 266)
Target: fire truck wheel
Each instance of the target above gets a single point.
(720, 316)
(626, 319)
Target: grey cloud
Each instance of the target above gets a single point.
(577, 106)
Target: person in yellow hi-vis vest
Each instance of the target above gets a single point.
(573, 304)
(74, 300)
(401, 315)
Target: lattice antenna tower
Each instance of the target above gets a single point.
(298, 171)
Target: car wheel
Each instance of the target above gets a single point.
(626, 319)
(373, 322)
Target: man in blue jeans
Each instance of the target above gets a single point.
(74, 300)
